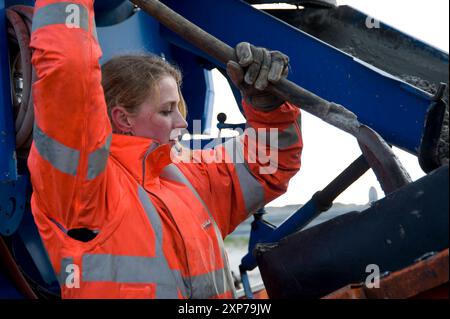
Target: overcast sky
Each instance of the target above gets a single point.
(325, 155)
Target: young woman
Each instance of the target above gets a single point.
(119, 216)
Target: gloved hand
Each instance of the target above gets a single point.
(256, 68)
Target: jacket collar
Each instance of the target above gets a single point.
(143, 158)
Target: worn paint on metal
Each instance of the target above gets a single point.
(424, 279)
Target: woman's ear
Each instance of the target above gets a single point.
(121, 120)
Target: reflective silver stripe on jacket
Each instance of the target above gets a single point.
(133, 269)
(68, 13)
(98, 159)
(252, 190)
(277, 139)
(288, 137)
(66, 159)
(219, 281)
(153, 218)
(210, 284)
(63, 158)
(163, 289)
(142, 270)
(61, 13)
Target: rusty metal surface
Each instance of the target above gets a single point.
(424, 279)
(440, 292)
(348, 292)
(261, 294)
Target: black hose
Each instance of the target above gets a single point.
(324, 198)
(19, 19)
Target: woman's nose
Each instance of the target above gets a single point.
(180, 122)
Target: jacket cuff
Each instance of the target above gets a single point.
(285, 114)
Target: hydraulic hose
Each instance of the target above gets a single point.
(19, 19)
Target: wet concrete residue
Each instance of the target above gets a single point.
(263, 248)
(443, 146)
(420, 83)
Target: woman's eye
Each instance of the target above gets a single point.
(166, 113)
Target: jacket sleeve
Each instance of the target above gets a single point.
(240, 176)
(72, 133)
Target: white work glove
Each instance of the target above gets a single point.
(257, 67)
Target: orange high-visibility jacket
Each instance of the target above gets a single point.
(160, 225)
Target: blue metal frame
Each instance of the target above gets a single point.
(264, 233)
(392, 107)
(31, 255)
(12, 204)
(140, 33)
(8, 163)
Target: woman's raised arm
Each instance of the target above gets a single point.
(72, 132)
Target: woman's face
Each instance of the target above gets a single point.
(158, 117)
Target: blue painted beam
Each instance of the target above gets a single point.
(8, 163)
(298, 220)
(138, 34)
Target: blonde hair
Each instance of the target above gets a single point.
(128, 80)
